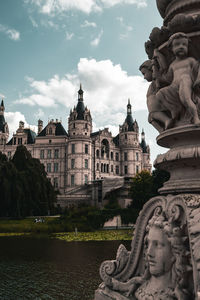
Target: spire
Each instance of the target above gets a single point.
(80, 108)
(2, 107)
(80, 93)
(143, 142)
(129, 119)
(128, 108)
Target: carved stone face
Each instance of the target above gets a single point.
(159, 254)
(147, 74)
(180, 47)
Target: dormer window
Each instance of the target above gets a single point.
(50, 130)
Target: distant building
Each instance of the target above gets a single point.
(82, 165)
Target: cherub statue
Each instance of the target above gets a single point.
(182, 77)
(158, 115)
(173, 93)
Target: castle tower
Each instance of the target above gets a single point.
(4, 131)
(145, 153)
(131, 152)
(40, 126)
(79, 154)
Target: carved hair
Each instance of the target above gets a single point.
(147, 65)
(177, 35)
(175, 235)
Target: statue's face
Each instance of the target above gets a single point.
(147, 74)
(159, 254)
(180, 47)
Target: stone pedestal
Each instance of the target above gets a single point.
(182, 161)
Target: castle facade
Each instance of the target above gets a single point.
(78, 160)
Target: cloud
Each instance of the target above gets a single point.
(39, 114)
(96, 41)
(34, 23)
(11, 33)
(13, 119)
(88, 24)
(69, 36)
(126, 28)
(2, 96)
(52, 7)
(107, 89)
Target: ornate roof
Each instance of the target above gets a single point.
(59, 130)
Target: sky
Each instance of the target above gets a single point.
(49, 47)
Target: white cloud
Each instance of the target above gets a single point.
(52, 7)
(39, 114)
(127, 29)
(34, 23)
(96, 41)
(88, 24)
(107, 89)
(2, 96)
(13, 119)
(11, 33)
(69, 36)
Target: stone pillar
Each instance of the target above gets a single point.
(164, 261)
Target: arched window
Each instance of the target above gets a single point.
(97, 153)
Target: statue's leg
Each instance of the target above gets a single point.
(185, 94)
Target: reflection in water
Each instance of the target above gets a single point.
(51, 269)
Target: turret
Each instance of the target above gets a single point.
(80, 121)
(145, 153)
(4, 131)
(40, 126)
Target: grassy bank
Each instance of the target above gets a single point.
(52, 229)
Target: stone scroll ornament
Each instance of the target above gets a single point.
(164, 261)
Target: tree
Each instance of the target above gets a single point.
(141, 189)
(25, 188)
(159, 177)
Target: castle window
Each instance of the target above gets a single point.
(56, 153)
(111, 155)
(86, 126)
(55, 167)
(125, 169)
(42, 154)
(97, 166)
(102, 168)
(86, 179)
(50, 130)
(107, 168)
(72, 180)
(50, 141)
(97, 153)
(55, 182)
(86, 148)
(86, 163)
(137, 169)
(74, 125)
(73, 163)
(14, 140)
(117, 156)
(9, 154)
(48, 153)
(111, 168)
(73, 148)
(117, 170)
(137, 156)
(125, 136)
(48, 168)
(125, 156)
(19, 141)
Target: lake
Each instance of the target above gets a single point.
(42, 268)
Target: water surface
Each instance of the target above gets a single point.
(35, 269)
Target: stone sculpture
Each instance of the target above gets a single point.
(164, 260)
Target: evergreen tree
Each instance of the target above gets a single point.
(159, 177)
(25, 188)
(141, 189)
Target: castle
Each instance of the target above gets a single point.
(82, 165)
